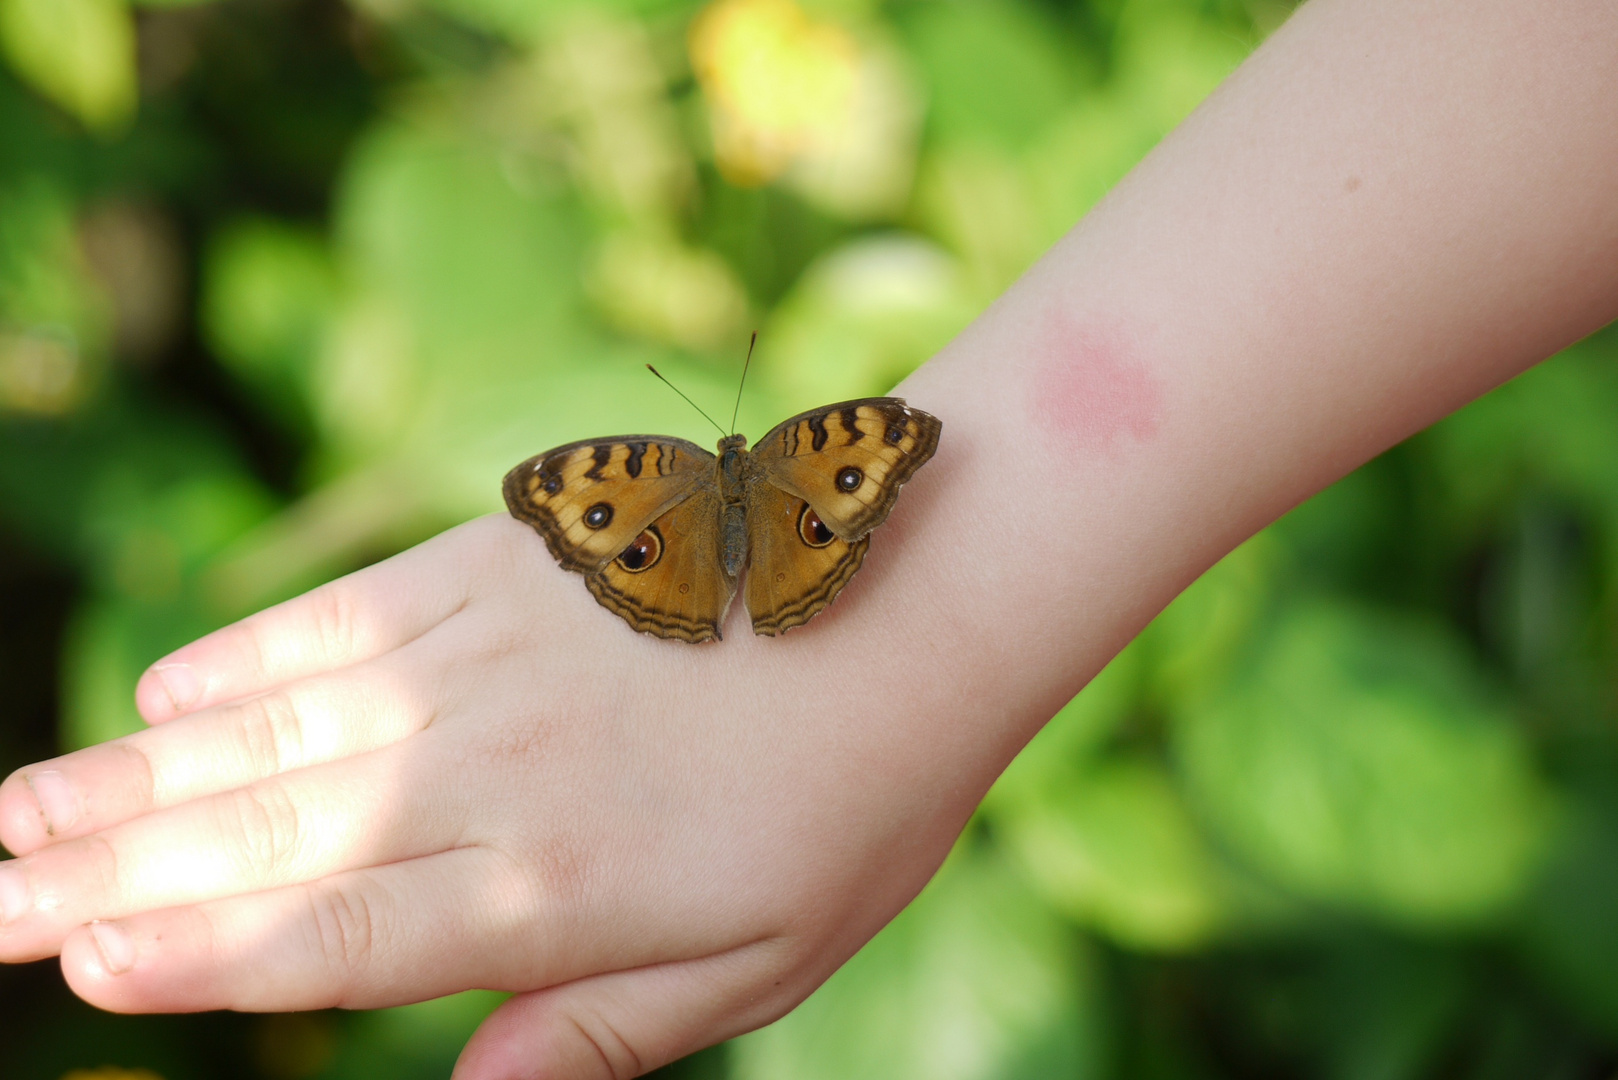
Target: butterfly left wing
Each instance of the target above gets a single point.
(849, 460)
(591, 499)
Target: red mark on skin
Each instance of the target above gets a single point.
(1091, 389)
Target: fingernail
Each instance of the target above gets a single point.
(117, 951)
(58, 802)
(15, 900)
(181, 683)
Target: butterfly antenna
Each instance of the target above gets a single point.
(688, 401)
(745, 364)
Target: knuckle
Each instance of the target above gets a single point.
(271, 733)
(333, 618)
(248, 637)
(618, 1058)
(343, 925)
(513, 745)
(103, 861)
(263, 821)
(146, 780)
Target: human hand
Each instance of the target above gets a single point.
(453, 770)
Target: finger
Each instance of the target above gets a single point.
(343, 622)
(366, 811)
(362, 939)
(305, 723)
(625, 1023)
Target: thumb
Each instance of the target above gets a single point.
(625, 1023)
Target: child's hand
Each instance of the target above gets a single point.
(454, 770)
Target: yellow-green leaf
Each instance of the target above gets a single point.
(78, 53)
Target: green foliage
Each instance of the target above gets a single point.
(1348, 808)
(1360, 762)
(976, 980)
(80, 53)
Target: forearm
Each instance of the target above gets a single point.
(1390, 209)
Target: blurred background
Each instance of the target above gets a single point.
(286, 286)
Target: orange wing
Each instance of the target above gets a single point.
(849, 460)
(591, 499)
(670, 581)
(796, 565)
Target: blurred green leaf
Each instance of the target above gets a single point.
(1168, 57)
(975, 980)
(1362, 761)
(476, 250)
(78, 53)
(411, 1042)
(1056, 759)
(650, 284)
(1205, 632)
(1567, 930)
(268, 295)
(862, 317)
(1551, 425)
(53, 324)
(155, 541)
(109, 642)
(996, 73)
(1118, 851)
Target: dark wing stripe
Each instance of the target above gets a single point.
(895, 461)
(600, 455)
(637, 450)
(817, 424)
(644, 617)
(850, 419)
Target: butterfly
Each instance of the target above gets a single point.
(663, 531)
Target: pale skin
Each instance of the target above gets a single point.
(454, 770)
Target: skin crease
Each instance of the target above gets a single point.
(453, 769)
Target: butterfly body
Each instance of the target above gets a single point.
(664, 531)
(735, 477)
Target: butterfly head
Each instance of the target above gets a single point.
(732, 442)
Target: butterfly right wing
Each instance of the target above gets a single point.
(589, 500)
(796, 565)
(874, 444)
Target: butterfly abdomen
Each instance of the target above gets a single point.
(733, 513)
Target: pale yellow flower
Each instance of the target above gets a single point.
(779, 84)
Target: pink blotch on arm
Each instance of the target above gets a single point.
(1092, 391)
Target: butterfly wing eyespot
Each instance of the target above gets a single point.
(811, 530)
(850, 479)
(598, 516)
(645, 553)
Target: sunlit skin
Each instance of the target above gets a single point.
(453, 769)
